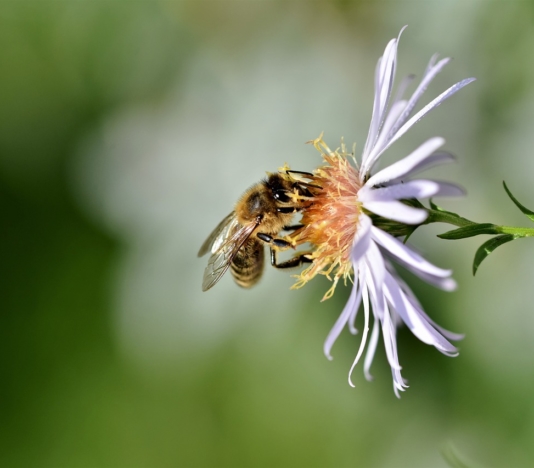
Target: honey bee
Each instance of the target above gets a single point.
(262, 212)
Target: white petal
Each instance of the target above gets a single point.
(403, 87)
(389, 334)
(420, 188)
(411, 297)
(391, 135)
(375, 273)
(425, 110)
(446, 333)
(397, 211)
(380, 99)
(441, 157)
(446, 189)
(431, 63)
(413, 318)
(407, 164)
(430, 74)
(446, 284)
(387, 75)
(391, 117)
(398, 382)
(371, 349)
(353, 303)
(382, 313)
(363, 342)
(407, 255)
(359, 276)
(362, 238)
(384, 77)
(351, 323)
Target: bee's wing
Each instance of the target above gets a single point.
(221, 259)
(219, 235)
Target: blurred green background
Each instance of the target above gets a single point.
(128, 130)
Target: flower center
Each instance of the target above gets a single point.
(331, 220)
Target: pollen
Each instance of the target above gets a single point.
(330, 220)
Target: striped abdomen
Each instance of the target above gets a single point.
(247, 265)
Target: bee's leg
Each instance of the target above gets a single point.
(303, 186)
(309, 175)
(282, 244)
(292, 262)
(294, 227)
(288, 209)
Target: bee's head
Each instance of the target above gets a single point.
(281, 187)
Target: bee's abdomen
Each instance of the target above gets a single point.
(247, 265)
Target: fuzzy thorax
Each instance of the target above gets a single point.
(331, 220)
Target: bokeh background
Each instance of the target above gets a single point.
(127, 132)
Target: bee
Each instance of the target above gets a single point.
(262, 212)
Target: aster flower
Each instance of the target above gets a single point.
(358, 214)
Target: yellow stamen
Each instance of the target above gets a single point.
(331, 220)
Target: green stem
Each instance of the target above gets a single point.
(436, 216)
(517, 231)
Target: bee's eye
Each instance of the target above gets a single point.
(281, 196)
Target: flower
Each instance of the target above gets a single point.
(357, 215)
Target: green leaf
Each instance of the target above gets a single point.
(470, 231)
(439, 208)
(487, 247)
(433, 205)
(529, 214)
(409, 234)
(413, 202)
